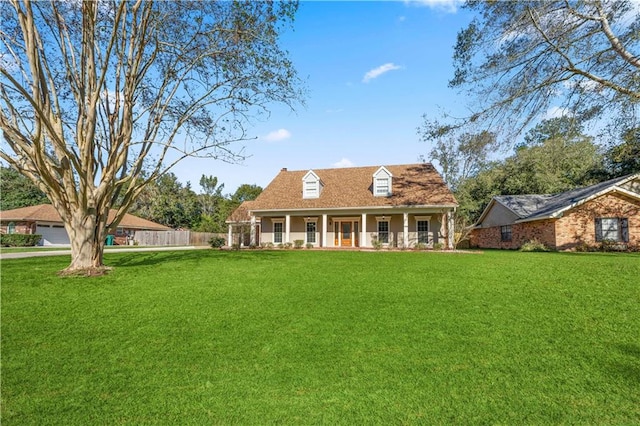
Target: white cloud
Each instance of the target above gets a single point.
(277, 135)
(556, 112)
(449, 6)
(344, 162)
(377, 72)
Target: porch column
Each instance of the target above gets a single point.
(287, 227)
(363, 231)
(405, 231)
(353, 234)
(252, 237)
(323, 241)
(230, 236)
(451, 229)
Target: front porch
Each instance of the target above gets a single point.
(406, 229)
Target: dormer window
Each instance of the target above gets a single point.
(311, 185)
(382, 182)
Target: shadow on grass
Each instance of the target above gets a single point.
(119, 260)
(628, 367)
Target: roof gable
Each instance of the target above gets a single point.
(536, 207)
(48, 213)
(352, 187)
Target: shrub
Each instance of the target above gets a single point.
(309, 245)
(298, 243)
(533, 245)
(420, 246)
(288, 245)
(267, 245)
(19, 240)
(438, 246)
(280, 245)
(217, 242)
(376, 243)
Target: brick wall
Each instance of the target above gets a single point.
(578, 226)
(20, 227)
(542, 230)
(575, 227)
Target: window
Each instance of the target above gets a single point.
(277, 232)
(11, 228)
(612, 229)
(423, 231)
(311, 185)
(383, 231)
(382, 187)
(382, 182)
(505, 233)
(310, 190)
(311, 232)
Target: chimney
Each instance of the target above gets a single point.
(284, 169)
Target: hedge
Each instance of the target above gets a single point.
(19, 240)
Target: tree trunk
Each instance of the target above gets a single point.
(86, 234)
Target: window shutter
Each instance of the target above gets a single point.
(598, 229)
(624, 229)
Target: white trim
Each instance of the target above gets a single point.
(382, 174)
(323, 241)
(273, 232)
(423, 219)
(337, 210)
(287, 228)
(307, 221)
(311, 185)
(560, 212)
(363, 231)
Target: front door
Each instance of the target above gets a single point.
(346, 234)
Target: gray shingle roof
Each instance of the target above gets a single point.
(523, 205)
(534, 207)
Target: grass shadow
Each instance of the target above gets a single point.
(126, 260)
(628, 367)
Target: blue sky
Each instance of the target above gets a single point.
(372, 70)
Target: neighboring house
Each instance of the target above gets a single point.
(395, 206)
(605, 212)
(44, 220)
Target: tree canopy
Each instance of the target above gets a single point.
(518, 59)
(17, 191)
(97, 99)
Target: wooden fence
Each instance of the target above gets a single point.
(174, 238)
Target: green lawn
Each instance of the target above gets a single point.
(312, 337)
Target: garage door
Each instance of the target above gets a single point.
(53, 235)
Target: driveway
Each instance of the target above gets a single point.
(66, 251)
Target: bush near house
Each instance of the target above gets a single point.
(19, 240)
(217, 242)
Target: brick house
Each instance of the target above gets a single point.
(44, 220)
(394, 206)
(605, 212)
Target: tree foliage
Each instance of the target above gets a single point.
(98, 99)
(168, 202)
(624, 158)
(557, 157)
(517, 59)
(460, 157)
(17, 191)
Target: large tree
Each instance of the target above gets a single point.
(519, 59)
(99, 98)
